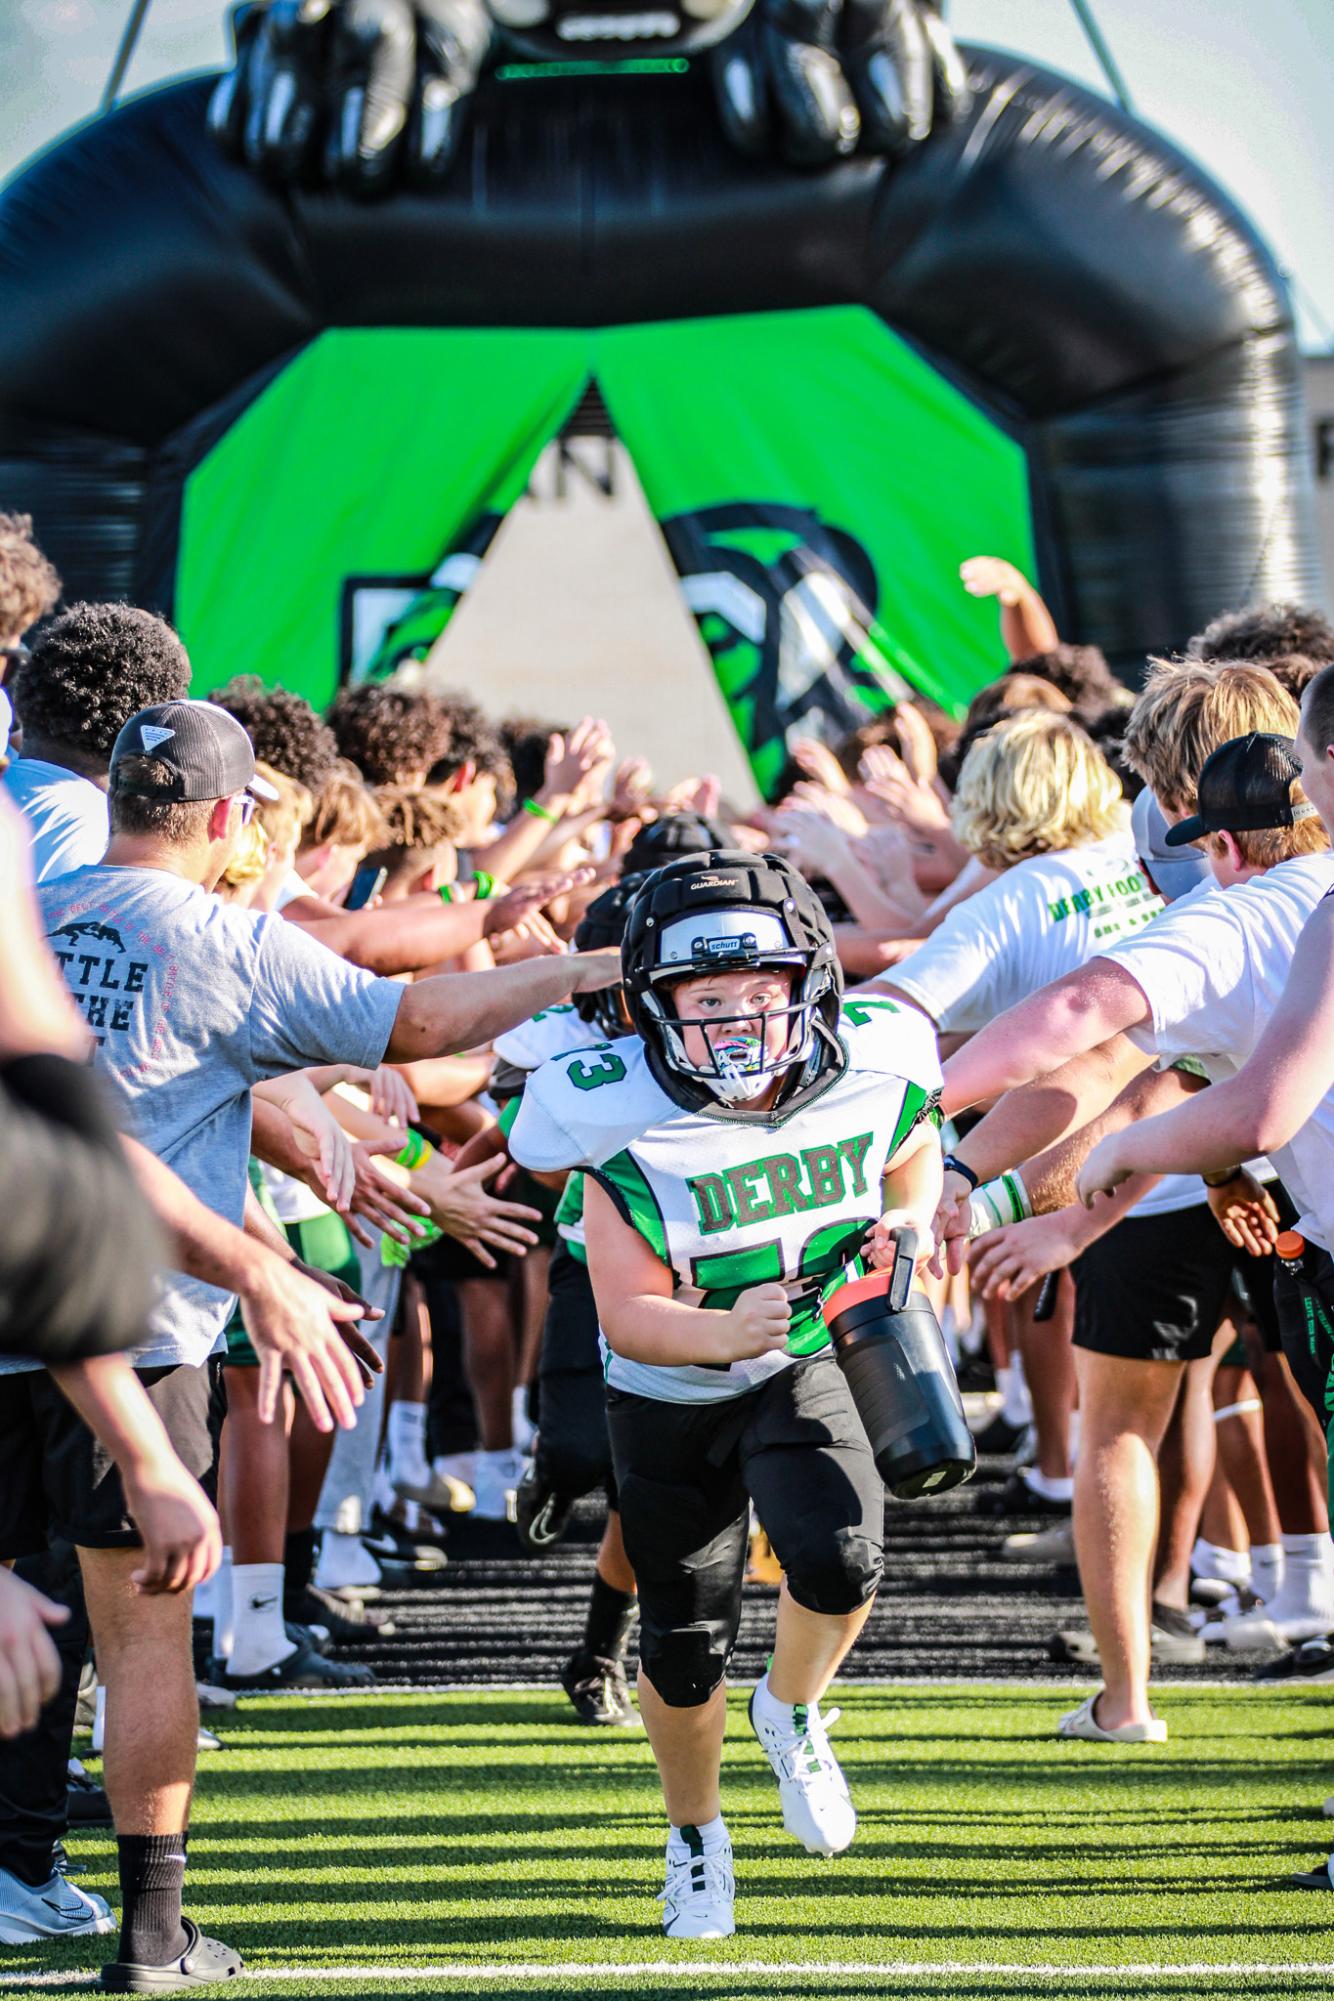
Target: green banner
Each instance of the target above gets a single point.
(376, 457)
(818, 485)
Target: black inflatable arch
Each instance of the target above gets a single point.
(1066, 267)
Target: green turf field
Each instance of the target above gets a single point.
(416, 1844)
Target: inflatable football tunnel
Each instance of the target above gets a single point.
(292, 421)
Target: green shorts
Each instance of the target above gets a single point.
(323, 1241)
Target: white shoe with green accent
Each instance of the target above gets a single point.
(700, 1889)
(817, 1807)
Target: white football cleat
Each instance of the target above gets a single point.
(817, 1807)
(700, 1889)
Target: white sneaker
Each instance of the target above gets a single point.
(54, 1909)
(1270, 1627)
(699, 1893)
(817, 1808)
(497, 1477)
(1051, 1546)
(1083, 1722)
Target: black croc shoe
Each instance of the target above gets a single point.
(204, 1962)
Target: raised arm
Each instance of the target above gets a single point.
(1268, 1101)
(458, 1011)
(1061, 1021)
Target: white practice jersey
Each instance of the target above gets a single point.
(731, 1204)
(556, 1031)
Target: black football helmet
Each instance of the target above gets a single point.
(728, 911)
(600, 928)
(670, 835)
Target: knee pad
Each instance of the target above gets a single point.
(838, 1575)
(684, 1667)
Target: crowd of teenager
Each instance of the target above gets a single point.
(295, 1269)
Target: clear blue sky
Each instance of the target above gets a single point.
(1245, 87)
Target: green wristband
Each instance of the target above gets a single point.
(486, 885)
(540, 812)
(415, 1151)
(446, 893)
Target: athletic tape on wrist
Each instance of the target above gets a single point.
(996, 1203)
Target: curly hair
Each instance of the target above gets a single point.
(474, 739)
(1262, 632)
(29, 585)
(284, 729)
(392, 735)
(91, 670)
(1034, 784)
(525, 739)
(346, 812)
(1080, 672)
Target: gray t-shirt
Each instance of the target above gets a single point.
(193, 1001)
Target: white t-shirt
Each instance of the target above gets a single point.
(1040, 920)
(67, 815)
(1212, 969)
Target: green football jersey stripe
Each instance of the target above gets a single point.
(628, 1187)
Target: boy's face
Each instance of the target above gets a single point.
(1317, 774)
(730, 1021)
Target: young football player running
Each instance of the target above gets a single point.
(752, 1146)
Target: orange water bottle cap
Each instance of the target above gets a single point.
(1290, 1245)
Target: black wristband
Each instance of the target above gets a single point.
(953, 1165)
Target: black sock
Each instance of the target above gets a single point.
(152, 1870)
(298, 1566)
(611, 1618)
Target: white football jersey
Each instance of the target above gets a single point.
(556, 1031)
(731, 1204)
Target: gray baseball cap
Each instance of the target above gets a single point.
(206, 751)
(1175, 870)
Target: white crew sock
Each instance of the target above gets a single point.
(1307, 1590)
(222, 1607)
(259, 1637)
(1266, 1570)
(522, 1430)
(1219, 1565)
(344, 1560)
(406, 1441)
(1046, 1484)
(1016, 1403)
(713, 1833)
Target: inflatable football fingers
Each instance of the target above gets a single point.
(453, 37)
(267, 107)
(372, 73)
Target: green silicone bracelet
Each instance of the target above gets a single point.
(446, 893)
(539, 812)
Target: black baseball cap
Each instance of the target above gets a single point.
(1246, 784)
(206, 750)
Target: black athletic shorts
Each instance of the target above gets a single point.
(573, 1446)
(686, 1474)
(57, 1480)
(1154, 1288)
(1305, 1304)
(1257, 1275)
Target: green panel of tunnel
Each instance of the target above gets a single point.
(372, 456)
(818, 484)
(759, 436)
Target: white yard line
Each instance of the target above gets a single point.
(602, 1972)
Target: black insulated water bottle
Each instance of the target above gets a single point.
(890, 1348)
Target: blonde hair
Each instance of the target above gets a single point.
(1034, 784)
(1266, 847)
(346, 814)
(1187, 709)
(250, 856)
(283, 818)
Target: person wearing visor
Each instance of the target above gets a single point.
(757, 1141)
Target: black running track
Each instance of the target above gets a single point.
(951, 1605)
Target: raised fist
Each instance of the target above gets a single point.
(360, 93)
(814, 80)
